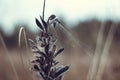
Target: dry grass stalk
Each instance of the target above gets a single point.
(105, 53)
(96, 57)
(22, 30)
(25, 37)
(9, 57)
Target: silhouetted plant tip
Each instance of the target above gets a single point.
(39, 24)
(45, 50)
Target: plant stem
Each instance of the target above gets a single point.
(43, 9)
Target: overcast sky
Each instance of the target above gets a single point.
(14, 11)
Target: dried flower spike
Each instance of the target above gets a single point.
(46, 51)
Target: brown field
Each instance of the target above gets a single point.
(80, 50)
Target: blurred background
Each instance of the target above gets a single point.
(82, 20)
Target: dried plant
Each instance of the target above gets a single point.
(45, 50)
